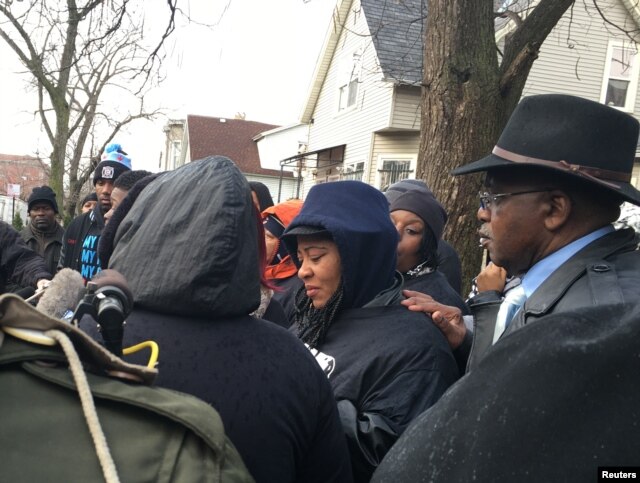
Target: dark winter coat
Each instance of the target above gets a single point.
(17, 261)
(449, 265)
(80, 244)
(604, 272)
(386, 364)
(52, 243)
(193, 269)
(552, 402)
(436, 284)
(285, 293)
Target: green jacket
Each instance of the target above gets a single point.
(153, 434)
(47, 245)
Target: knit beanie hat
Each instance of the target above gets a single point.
(413, 195)
(44, 194)
(114, 152)
(90, 197)
(113, 163)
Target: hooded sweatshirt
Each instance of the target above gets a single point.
(357, 216)
(386, 364)
(188, 248)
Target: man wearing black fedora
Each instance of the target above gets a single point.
(553, 187)
(555, 398)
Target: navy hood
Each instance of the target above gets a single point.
(189, 244)
(357, 217)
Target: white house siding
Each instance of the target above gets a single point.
(573, 57)
(289, 186)
(390, 145)
(9, 207)
(406, 108)
(280, 143)
(353, 126)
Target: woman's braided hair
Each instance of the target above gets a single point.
(312, 324)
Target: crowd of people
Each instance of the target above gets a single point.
(331, 335)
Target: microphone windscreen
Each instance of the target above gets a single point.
(63, 294)
(113, 278)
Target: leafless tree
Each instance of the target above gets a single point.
(78, 53)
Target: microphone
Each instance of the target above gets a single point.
(109, 301)
(62, 295)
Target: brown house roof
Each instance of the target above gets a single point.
(228, 137)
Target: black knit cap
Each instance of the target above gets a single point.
(413, 195)
(108, 170)
(90, 197)
(43, 194)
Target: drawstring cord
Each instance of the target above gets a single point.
(88, 406)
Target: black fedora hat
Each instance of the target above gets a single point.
(570, 135)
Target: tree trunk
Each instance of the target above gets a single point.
(462, 114)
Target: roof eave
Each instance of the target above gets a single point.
(323, 63)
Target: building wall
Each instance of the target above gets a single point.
(390, 145)
(289, 186)
(282, 143)
(406, 108)
(574, 56)
(352, 126)
(26, 171)
(174, 132)
(8, 206)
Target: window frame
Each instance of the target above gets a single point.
(632, 89)
(413, 162)
(349, 80)
(351, 168)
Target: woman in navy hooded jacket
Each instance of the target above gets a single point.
(386, 365)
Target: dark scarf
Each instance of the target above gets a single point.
(313, 324)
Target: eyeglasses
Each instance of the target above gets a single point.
(486, 199)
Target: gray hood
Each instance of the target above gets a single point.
(188, 246)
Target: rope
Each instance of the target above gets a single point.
(88, 406)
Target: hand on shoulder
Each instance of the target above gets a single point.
(445, 317)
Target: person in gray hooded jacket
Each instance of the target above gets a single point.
(194, 272)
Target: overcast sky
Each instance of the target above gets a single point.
(258, 60)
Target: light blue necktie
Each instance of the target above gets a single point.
(512, 302)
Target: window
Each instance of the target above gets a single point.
(353, 171)
(175, 153)
(348, 81)
(621, 77)
(394, 169)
